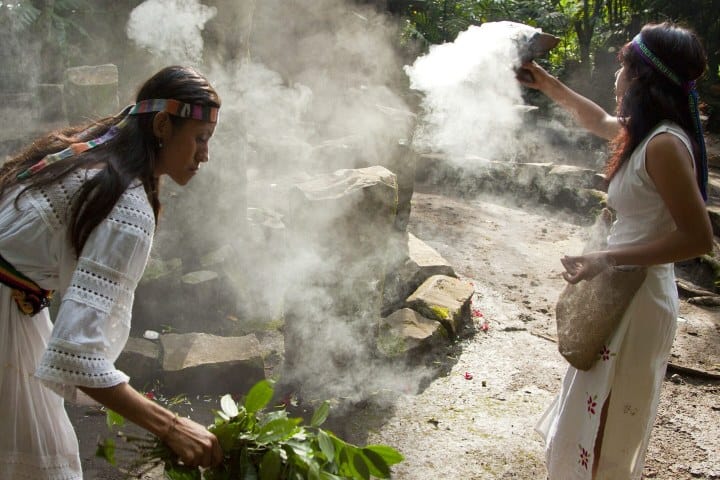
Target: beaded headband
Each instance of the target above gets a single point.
(173, 107)
(688, 87)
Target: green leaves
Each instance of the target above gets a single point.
(270, 445)
(270, 467)
(320, 414)
(106, 450)
(259, 396)
(114, 419)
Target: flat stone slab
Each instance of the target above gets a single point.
(406, 330)
(427, 260)
(140, 360)
(209, 364)
(445, 299)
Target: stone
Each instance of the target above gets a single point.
(571, 176)
(406, 331)
(427, 260)
(445, 299)
(217, 257)
(140, 360)
(421, 262)
(91, 92)
(48, 102)
(160, 282)
(200, 363)
(340, 229)
(714, 213)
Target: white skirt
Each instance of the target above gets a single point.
(631, 371)
(37, 440)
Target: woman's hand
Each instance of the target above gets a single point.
(534, 76)
(584, 267)
(193, 443)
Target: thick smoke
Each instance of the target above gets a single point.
(472, 100)
(308, 87)
(171, 29)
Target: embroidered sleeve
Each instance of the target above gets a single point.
(93, 322)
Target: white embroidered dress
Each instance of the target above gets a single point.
(632, 366)
(42, 361)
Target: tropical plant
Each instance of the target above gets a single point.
(50, 21)
(267, 445)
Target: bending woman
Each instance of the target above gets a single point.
(599, 425)
(78, 210)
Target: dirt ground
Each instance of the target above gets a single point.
(460, 428)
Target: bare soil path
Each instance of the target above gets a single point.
(483, 428)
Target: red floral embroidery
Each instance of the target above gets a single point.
(591, 404)
(584, 457)
(605, 353)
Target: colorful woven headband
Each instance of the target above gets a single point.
(173, 107)
(688, 87)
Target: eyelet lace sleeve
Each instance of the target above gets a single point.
(93, 322)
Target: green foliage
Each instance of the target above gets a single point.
(18, 16)
(53, 19)
(271, 445)
(438, 21)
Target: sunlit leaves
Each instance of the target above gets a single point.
(271, 445)
(258, 396)
(106, 450)
(114, 419)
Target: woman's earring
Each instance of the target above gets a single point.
(160, 145)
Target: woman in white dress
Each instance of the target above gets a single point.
(600, 423)
(78, 210)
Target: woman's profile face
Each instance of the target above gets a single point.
(621, 84)
(184, 150)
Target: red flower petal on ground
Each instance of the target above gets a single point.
(477, 313)
(485, 326)
(468, 376)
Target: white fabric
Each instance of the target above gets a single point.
(632, 368)
(42, 362)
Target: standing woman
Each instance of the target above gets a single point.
(599, 425)
(78, 210)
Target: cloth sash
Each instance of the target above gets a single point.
(28, 295)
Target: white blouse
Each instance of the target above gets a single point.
(97, 289)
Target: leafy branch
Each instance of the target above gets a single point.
(267, 445)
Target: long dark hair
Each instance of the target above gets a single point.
(651, 97)
(130, 155)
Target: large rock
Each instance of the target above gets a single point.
(48, 102)
(91, 92)
(714, 212)
(576, 189)
(406, 331)
(445, 299)
(202, 363)
(339, 230)
(140, 360)
(420, 263)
